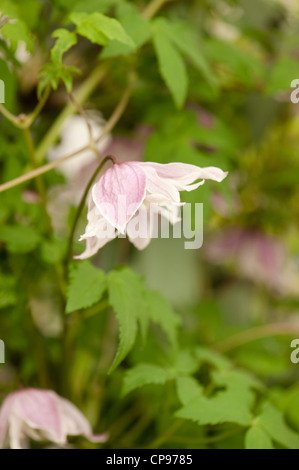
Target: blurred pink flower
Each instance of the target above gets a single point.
(255, 254)
(128, 190)
(41, 414)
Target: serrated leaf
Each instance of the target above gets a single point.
(144, 374)
(86, 286)
(126, 296)
(185, 39)
(160, 312)
(98, 28)
(212, 357)
(188, 388)
(19, 238)
(231, 405)
(65, 40)
(133, 22)
(171, 66)
(256, 438)
(272, 422)
(52, 73)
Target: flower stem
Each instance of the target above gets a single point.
(253, 334)
(82, 204)
(154, 7)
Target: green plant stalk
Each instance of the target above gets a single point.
(81, 206)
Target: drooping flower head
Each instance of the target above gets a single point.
(41, 415)
(127, 190)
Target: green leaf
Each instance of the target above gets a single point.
(144, 374)
(53, 251)
(86, 286)
(256, 438)
(133, 22)
(51, 74)
(19, 238)
(188, 389)
(171, 66)
(230, 405)
(16, 29)
(65, 40)
(273, 423)
(98, 28)
(213, 358)
(126, 295)
(283, 72)
(160, 312)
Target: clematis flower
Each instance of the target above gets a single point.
(127, 193)
(41, 414)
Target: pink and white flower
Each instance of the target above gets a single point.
(125, 194)
(41, 415)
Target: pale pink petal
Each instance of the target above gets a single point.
(140, 228)
(120, 192)
(39, 409)
(5, 411)
(158, 187)
(93, 245)
(17, 433)
(183, 174)
(74, 422)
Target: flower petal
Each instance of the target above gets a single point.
(74, 422)
(39, 409)
(120, 192)
(4, 418)
(183, 174)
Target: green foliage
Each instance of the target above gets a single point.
(272, 422)
(256, 438)
(86, 286)
(65, 40)
(99, 28)
(126, 296)
(196, 361)
(171, 66)
(138, 27)
(19, 238)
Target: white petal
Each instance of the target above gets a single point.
(74, 422)
(183, 174)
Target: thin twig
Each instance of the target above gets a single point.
(253, 334)
(154, 7)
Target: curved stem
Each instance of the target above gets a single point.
(22, 121)
(39, 181)
(273, 329)
(81, 205)
(154, 7)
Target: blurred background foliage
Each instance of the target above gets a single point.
(212, 87)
